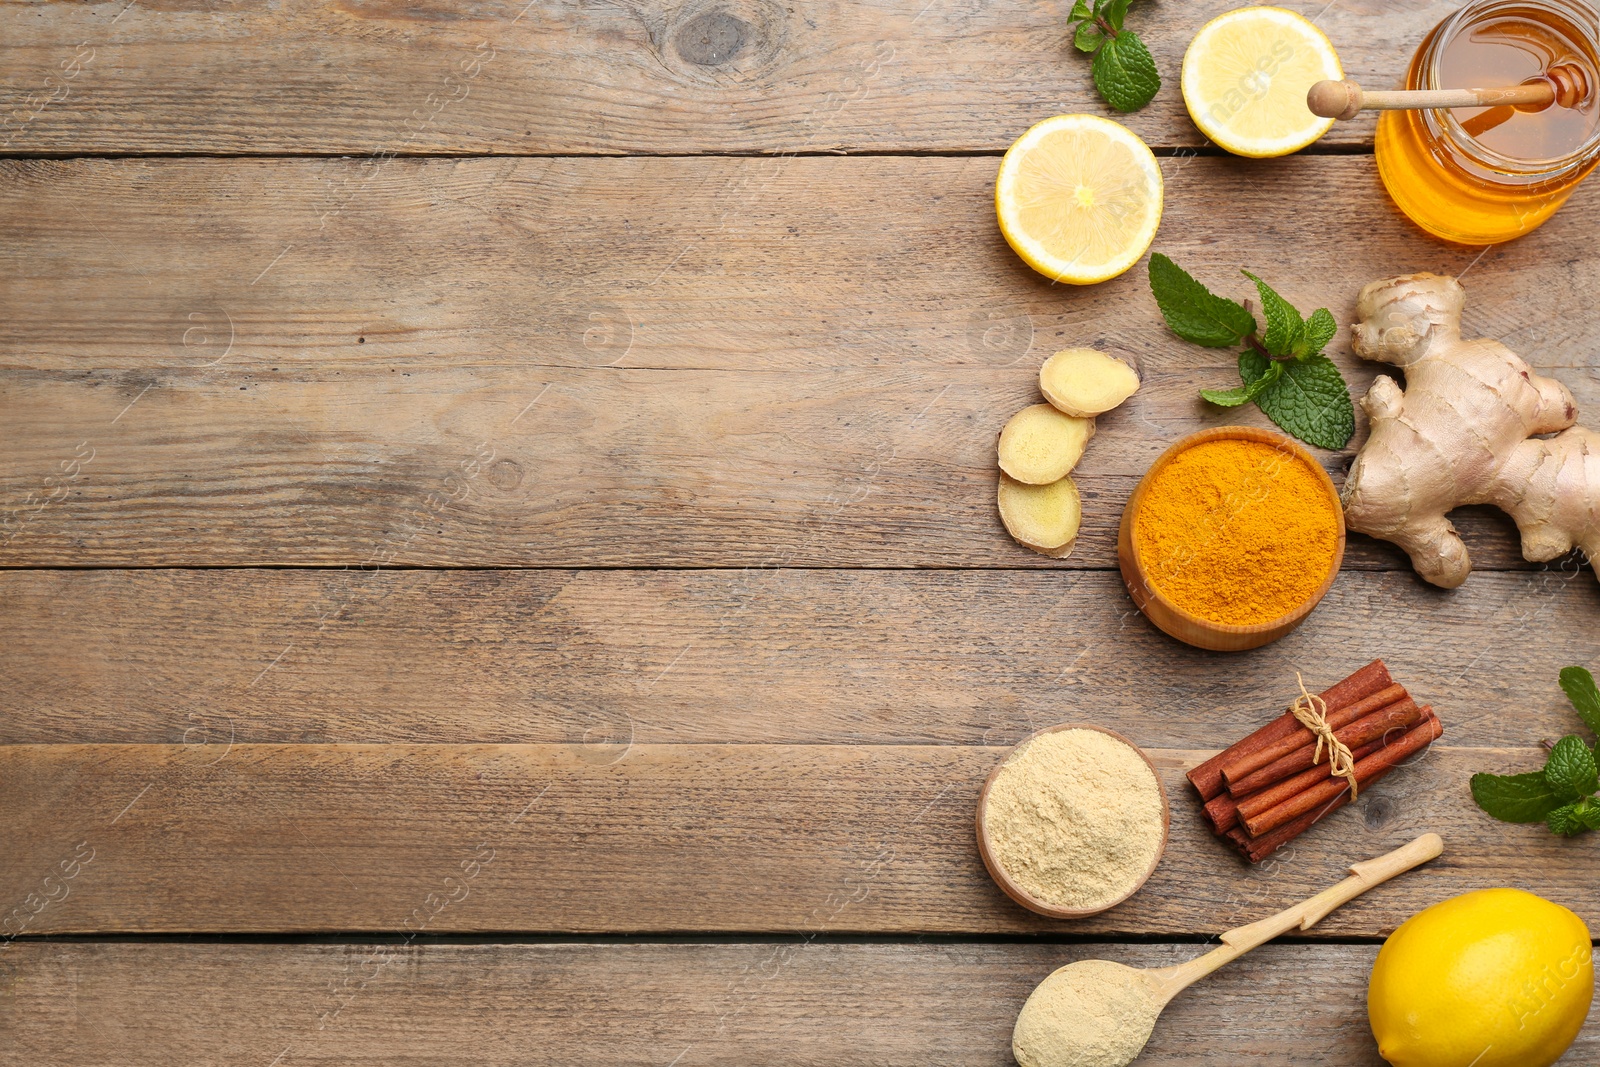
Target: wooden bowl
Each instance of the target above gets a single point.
(1203, 633)
(1022, 896)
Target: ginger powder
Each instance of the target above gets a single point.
(1093, 1013)
(1075, 818)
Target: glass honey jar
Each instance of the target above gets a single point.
(1485, 175)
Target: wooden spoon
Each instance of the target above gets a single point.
(1096, 1013)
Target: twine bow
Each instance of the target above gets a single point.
(1312, 711)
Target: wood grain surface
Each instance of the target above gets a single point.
(627, 838)
(380, 76)
(374, 408)
(542, 467)
(787, 1003)
(538, 513)
(180, 267)
(794, 656)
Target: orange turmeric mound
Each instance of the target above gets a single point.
(1237, 532)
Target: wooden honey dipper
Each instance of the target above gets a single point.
(1565, 84)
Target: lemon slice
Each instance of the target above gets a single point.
(1245, 78)
(1079, 198)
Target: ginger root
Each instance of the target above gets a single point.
(1462, 431)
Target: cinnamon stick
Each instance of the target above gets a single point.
(1293, 786)
(1303, 738)
(1403, 714)
(1240, 841)
(1256, 849)
(1333, 793)
(1222, 812)
(1207, 778)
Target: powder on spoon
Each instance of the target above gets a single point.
(1075, 818)
(1093, 1013)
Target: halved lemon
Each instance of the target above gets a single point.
(1079, 198)
(1245, 79)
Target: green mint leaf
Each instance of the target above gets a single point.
(1284, 325)
(1566, 820)
(1114, 12)
(1320, 329)
(1310, 401)
(1089, 36)
(1571, 770)
(1192, 311)
(1253, 365)
(1227, 398)
(1574, 818)
(1579, 686)
(1125, 73)
(1515, 797)
(1080, 10)
(1252, 388)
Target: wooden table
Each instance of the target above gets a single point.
(503, 564)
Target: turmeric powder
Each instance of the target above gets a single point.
(1237, 532)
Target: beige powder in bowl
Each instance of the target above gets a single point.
(1075, 818)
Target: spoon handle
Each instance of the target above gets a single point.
(1306, 914)
(1566, 84)
(1346, 99)
(1368, 873)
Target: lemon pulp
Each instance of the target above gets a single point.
(1079, 198)
(1245, 78)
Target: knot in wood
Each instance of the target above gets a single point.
(712, 39)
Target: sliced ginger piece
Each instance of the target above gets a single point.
(1085, 383)
(1044, 518)
(1041, 445)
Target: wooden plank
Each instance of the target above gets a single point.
(554, 467)
(272, 392)
(502, 77)
(898, 657)
(237, 267)
(811, 839)
(786, 1003)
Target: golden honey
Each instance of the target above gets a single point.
(1474, 177)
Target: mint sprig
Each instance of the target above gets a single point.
(1561, 795)
(1284, 371)
(1123, 69)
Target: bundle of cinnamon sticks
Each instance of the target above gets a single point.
(1271, 787)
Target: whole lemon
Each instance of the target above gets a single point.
(1496, 978)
